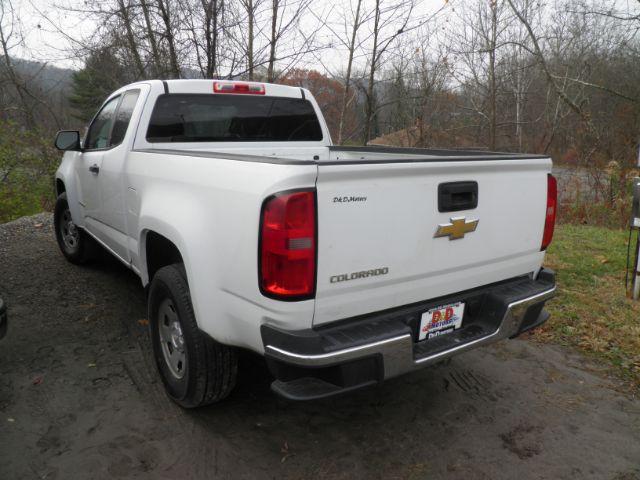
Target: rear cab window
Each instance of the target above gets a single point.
(232, 118)
(123, 117)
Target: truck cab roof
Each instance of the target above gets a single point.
(206, 86)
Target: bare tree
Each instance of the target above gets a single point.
(207, 23)
(477, 42)
(551, 78)
(36, 109)
(388, 23)
(247, 36)
(357, 21)
(167, 19)
(151, 36)
(285, 18)
(430, 71)
(131, 38)
(491, 38)
(8, 31)
(273, 41)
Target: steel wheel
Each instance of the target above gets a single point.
(171, 338)
(69, 231)
(74, 243)
(195, 369)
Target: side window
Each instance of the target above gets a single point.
(98, 134)
(123, 117)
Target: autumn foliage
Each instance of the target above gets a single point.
(328, 93)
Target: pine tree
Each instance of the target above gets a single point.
(101, 75)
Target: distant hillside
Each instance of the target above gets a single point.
(425, 137)
(42, 77)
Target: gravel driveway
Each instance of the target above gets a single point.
(79, 398)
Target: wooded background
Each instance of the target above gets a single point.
(560, 77)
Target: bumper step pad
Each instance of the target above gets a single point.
(311, 388)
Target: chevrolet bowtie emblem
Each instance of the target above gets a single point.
(457, 228)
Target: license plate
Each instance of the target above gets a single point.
(441, 320)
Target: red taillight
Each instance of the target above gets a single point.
(288, 245)
(235, 87)
(550, 215)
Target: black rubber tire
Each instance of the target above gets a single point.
(86, 245)
(211, 368)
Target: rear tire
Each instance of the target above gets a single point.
(195, 369)
(74, 242)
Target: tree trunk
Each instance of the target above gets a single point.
(250, 20)
(159, 70)
(166, 19)
(206, 7)
(272, 43)
(347, 80)
(492, 77)
(17, 83)
(369, 103)
(124, 11)
(214, 39)
(210, 9)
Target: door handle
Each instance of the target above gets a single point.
(94, 169)
(457, 196)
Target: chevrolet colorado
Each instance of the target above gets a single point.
(343, 266)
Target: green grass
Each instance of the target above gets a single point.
(591, 311)
(25, 197)
(28, 161)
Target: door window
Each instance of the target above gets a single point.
(100, 129)
(125, 110)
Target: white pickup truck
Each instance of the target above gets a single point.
(343, 266)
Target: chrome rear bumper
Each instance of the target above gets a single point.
(308, 369)
(397, 352)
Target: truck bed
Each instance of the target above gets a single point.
(288, 155)
(384, 154)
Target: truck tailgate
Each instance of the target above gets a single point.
(377, 221)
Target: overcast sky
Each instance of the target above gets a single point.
(44, 41)
(51, 28)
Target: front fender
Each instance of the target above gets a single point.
(66, 174)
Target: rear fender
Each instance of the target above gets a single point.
(179, 220)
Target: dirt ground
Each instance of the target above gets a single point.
(79, 398)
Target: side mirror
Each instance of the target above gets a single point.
(68, 140)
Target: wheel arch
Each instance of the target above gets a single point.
(66, 182)
(60, 187)
(158, 249)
